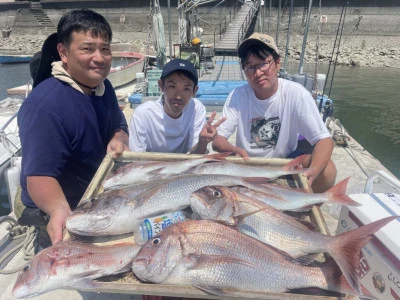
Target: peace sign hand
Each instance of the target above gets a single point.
(209, 131)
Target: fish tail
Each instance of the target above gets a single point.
(338, 283)
(337, 194)
(345, 249)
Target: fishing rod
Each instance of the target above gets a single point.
(341, 23)
(337, 52)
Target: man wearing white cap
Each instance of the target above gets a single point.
(270, 113)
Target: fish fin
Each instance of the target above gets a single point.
(337, 281)
(345, 249)
(232, 223)
(142, 197)
(253, 182)
(210, 290)
(308, 224)
(307, 259)
(86, 283)
(115, 187)
(73, 237)
(218, 156)
(337, 194)
(240, 218)
(315, 291)
(205, 261)
(294, 166)
(266, 194)
(159, 173)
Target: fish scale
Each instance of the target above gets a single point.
(221, 259)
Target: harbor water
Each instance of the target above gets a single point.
(365, 101)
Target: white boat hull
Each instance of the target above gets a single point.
(126, 65)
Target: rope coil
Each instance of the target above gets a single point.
(28, 242)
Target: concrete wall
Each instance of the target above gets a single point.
(363, 17)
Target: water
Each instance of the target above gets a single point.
(365, 101)
(13, 75)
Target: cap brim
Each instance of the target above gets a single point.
(248, 43)
(185, 71)
(40, 65)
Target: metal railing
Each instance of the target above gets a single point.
(227, 20)
(249, 17)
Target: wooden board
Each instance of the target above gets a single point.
(128, 284)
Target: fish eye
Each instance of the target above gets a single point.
(217, 193)
(156, 241)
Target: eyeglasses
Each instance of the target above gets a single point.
(264, 66)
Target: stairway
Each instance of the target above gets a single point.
(41, 17)
(236, 30)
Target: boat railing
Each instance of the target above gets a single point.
(221, 27)
(7, 143)
(382, 175)
(245, 25)
(8, 107)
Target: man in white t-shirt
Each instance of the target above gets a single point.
(176, 122)
(269, 114)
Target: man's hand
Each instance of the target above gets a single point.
(56, 224)
(209, 131)
(241, 152)
(311, 174)
(118, 144)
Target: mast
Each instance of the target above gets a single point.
(303, 47)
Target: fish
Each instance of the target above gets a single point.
(220, 260)
(120, 215)
(142, 171)
(72, 264)
(273, 227)
(299, 199)
(229, 168)
(98, 213)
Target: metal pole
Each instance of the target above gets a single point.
(288, 34)
(169, 30)
(263, 18)
(277, 23)
(303, 47)
(269, 17)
